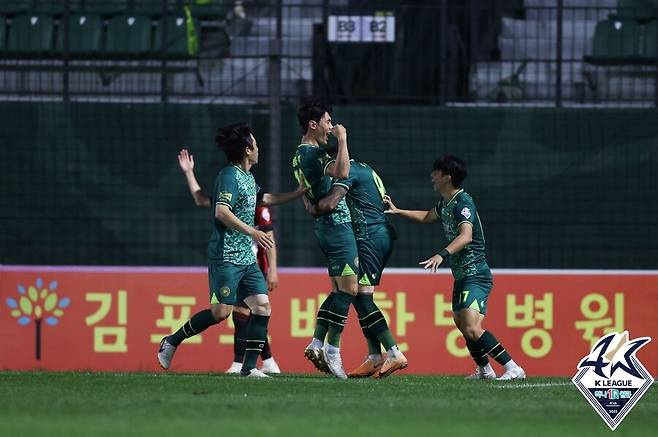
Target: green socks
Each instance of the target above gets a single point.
(373, 324)
(479, 356)
(322, 319)
(196, 325)
(256, 338)
(490, 345)
(337, 316)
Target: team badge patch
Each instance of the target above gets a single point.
(225, 291)
(466, 213)
(611, 377)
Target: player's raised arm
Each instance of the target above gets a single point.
(186, 163)
(419, 216)
(223, 214)
(271, 199)
(341, 167)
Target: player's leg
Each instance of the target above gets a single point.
(470, 298)
(240, 318)
(254, 289)
(337, 315)
(373, 256)
(221, 281)
(313, 351)
(269, 363)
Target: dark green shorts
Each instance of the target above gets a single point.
(339, 247)
(374, 253)
(472, 292)
(230, 283)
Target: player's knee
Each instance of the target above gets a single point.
(262, 309)
(220, 312)
(472, 333)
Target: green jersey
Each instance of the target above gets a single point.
(365, 193)
(236, 189)
(471, 260)
(311, 162)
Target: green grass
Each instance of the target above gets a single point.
(174, 404)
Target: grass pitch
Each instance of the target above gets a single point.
(175, 404)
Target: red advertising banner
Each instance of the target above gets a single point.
(68, 318)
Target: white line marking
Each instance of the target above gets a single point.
(546, 384)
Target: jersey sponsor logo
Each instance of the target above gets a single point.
(466, 213)
(611, 377)
(224, 196)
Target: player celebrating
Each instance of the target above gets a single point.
(364, 191)
(233, 274)
(473, 280)
(266, 262)
(314, 167)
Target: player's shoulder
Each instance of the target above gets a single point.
(463, 198)
(229, 170)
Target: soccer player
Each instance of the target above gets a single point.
(233, 274)
(473, 280)
(364, 192)
(313, 167)
(266, 263)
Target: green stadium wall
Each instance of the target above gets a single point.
(99, 184)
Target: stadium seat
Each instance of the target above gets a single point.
(178, 44)
(54, 7)
(641, 10)
(650, 50)
(209, 9)
(85, 33)
(3, 33)
(31, 34)
(128, 35)
(105, 8)
(11, 7)
(615, 41)
(153, 8)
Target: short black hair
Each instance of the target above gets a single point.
(311, 110)
(233, 139)
(455, 167)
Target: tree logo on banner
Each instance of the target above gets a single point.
(611, 377)
(38, 303)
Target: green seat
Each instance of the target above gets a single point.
(85, 33)
(3, 33)
(31, 34)
(128, 35)
(153, 8)
(209, 9)
(11, 7)
(178, 43)
(616, 39)
(641, 10)
(105, 8)
(650, 44)
(55, 7)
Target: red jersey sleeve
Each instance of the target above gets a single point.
(264, 219)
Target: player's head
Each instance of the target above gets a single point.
(237, 142)
(315, 121)
(448, 170)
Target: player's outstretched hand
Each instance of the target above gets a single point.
(432, 263)
(186, 161)
(262, 239)
(392, 209)
(272, 281)
(339, 132)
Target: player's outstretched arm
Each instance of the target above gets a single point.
(426, 217)
(272, 273)
(228, 219)
(186, 163)
(271, 199)
(340, 169)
